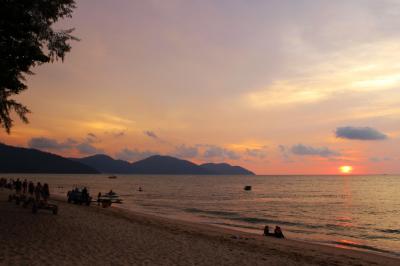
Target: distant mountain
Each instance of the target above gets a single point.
(105, 164)
(158, 164)
(225, 169)
(22, 160)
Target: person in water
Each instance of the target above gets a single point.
(278, 232)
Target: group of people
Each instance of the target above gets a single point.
(277, 232)
(41, 192)
(27, 188)
(83, 191)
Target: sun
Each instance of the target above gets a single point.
(346, 169)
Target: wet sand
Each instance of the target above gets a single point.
(95, 236)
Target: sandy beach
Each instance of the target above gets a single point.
(96, 236)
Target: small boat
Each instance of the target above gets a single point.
(112, 177)
(247, 188)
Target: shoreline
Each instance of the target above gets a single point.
(235, 230)
(252, 232)
(89, 235)
(227, 230)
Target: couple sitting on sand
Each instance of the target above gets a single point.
(277, 232)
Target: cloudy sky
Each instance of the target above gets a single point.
(280, 87)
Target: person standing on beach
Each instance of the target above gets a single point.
(31, 188)
(85, 194)
(11, 184)
(45, 192)
(38, 191)
(18, 186)
(98, 198)
(24, 186)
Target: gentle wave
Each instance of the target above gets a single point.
(361, 246)
(234, 216)
(363, 209)
(218, 213)
(237, 225)
(390, 231)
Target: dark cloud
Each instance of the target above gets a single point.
(213, 151)
(379, 159)
(119, 134)
(184, 151)
(281, 148)
(133, 155)
(92, 138)
(359, 133)
(256, 153)
(71, 142)
(150, 134)
(88, 149)
(116, 134)
(43, 143)
(303, 150)
(84, 147)
(285, 154)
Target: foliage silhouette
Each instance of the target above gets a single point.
(27, 39)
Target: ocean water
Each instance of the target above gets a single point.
(357, 212)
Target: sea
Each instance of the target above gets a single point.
(351, 212)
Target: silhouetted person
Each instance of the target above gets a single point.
(31, 188)
(45, 192)
(85, 194)
(266, 231)
(24, 186)
(278, 232)
(38, 191)
(18, 186)
(98, 198)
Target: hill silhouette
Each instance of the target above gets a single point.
(105, 164)
(22, 160)
(159, 164)
(226, 169)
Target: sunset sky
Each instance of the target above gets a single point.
(279, 87)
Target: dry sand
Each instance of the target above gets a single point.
(81, 235)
